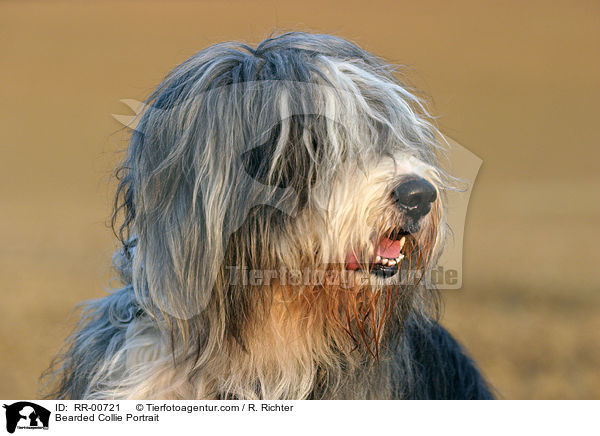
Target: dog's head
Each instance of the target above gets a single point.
(303, 153)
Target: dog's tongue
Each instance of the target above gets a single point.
(385, 248)
(388, 248)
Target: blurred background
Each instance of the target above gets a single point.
(517, 83)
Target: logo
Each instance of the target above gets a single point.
(26, 415)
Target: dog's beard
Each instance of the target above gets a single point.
(355, 301)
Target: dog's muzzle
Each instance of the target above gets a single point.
(414, 197)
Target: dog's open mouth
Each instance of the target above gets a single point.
(387, 256)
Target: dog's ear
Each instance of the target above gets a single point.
(180, 244)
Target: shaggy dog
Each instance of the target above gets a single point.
(278, 209)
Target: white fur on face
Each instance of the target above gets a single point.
(353, 210)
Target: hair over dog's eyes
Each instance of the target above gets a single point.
(285, 162)
(257, 163)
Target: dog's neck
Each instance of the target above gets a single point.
(295, 352)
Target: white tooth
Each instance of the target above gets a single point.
(384, 261)
(399, 258)
(402, 242)
(378, 259)
(391, 262)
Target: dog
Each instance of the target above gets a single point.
(277, 210)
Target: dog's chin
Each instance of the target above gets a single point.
(388, 254)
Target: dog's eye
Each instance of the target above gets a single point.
(294, 163)
(258, 161)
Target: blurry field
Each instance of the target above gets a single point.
(517, 83)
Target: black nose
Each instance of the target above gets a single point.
(415, 196)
